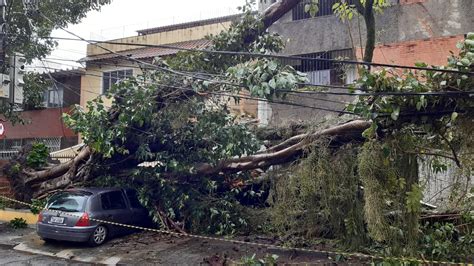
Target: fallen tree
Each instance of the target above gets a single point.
(175, 117)
(72, 172)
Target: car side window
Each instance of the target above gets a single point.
(112, 201)
(132, 197)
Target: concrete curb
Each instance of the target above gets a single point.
(68, 254)
(7, 246)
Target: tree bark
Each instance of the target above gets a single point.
(367, 11)
(276, 11)
(59, 170)
(369, 19)
(277, 154)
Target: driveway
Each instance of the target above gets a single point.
(160, 249)
(141, 248)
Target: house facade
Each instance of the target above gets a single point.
(46, 124)
(104, 68)
(407, 32)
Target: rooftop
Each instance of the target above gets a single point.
(69, 72)
(189, 24)
(150, 52)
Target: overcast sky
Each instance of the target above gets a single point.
(123, 17)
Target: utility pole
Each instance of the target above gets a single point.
(4, 64)
(3, 32)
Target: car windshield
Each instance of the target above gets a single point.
(68, 202)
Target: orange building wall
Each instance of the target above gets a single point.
(433, 51)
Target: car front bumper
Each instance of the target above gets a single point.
(57, 232)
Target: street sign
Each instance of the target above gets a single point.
(2, 130)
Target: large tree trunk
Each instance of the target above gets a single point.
(276, 11)
(78, 170)
(367, 11)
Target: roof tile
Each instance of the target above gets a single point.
(150, 52)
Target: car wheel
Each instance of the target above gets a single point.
(99, 236)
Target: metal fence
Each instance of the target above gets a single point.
(7, 155)
(53, 143)
(325, 9)
(324, 72)
(10, 147)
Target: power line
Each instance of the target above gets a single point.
(368, 93)
(288, 103)
(178, 73)
(353, 62)
(389, 93)
(243, 53)
(345, 87)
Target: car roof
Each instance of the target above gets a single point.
(94, 190)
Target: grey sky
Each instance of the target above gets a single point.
(123, 17)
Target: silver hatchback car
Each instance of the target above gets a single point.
(69, 215)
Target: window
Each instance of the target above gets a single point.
(322, 72)
(68, 201)
(112, 77)
(132, 197)
(325, 9)
(112, 201)
(313, 65)
(53, 97)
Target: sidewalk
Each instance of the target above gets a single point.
(10, 237)
(152, 248)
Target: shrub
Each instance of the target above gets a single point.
(18, 223)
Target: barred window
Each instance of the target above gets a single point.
(112, 77)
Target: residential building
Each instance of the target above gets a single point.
(46, 124)
(105, 68)
(407, 32)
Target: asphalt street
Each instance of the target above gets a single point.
(9, 256)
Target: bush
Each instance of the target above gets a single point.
(444, 241)
(18, 223)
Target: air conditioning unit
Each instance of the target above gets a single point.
(5, 86)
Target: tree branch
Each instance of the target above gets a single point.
(276, 11)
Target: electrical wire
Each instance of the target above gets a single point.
(227, 83)
(352, 62)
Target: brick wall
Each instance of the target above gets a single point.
(433, 51)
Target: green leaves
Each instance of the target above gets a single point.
(312, 8)
(395, 113)
(61, 14)
(37, 156)
(264, 78)
(35, 86)
(413, 198)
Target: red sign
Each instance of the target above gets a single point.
(2, 130)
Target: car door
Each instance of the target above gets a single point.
(139, 213)
(115, 209)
